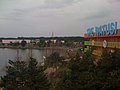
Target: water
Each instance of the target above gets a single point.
(11, 54)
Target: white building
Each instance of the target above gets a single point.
(13, 41)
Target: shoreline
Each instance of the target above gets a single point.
(41, 48)
(10, 47)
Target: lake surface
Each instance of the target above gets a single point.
(11, 54)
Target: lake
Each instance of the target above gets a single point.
(11, 54)
(7, 54)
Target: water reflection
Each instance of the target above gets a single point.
(13, 54)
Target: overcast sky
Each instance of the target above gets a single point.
(63, 17)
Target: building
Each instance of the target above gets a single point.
(14, 41)
(103, 37)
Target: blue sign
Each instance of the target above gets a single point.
(90, 31)
(107, 29)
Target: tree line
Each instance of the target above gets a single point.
(72, 38)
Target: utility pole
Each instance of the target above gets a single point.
(52, 42)
(30, 50)
(17, 57)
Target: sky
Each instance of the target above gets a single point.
(38, 18)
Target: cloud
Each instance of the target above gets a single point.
(17, 13)
(33, 5)
(97, 15)
(59, 3)
(114, 1)
(64, 17)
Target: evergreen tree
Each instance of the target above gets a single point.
(22, 76)
(54, 59)
(109, 67)
(36, 78)
(88, 55)
(106, 55)
(23, 43)
(83, 74)
(15, 75)
(77, 75)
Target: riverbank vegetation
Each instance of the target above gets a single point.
(77, 73)
(41, 42)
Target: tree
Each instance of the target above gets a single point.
(83, 74)
(15, 75)
(77, 75)
(25, 76)
(106, 55)
(115, 57)
(36, 78)
(88, 55)
(23, 43)
(109, 69)
(15, 44)
(111, 59)
(1, 85)
(54, 59)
